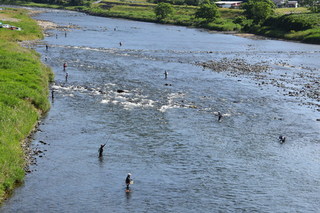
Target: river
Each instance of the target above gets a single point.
(166, 131)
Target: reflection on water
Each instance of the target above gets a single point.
(166, 131)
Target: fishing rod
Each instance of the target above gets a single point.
(100, 150)
(108, 140)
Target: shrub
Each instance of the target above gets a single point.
(296, 22)
(208, 12)
(258, 10)
(163, 10)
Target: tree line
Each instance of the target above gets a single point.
(256, 10)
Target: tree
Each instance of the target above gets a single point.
(258, 10)
(207, 11)
(76, 2)
(163, 10)
(312, 5)
(192, 2)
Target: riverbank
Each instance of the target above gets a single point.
(296, 24)
(23, 95)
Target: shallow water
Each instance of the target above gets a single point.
(165, 131)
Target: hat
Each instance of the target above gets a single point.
(129, 174)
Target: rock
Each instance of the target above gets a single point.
(120, 91)
(43, 142)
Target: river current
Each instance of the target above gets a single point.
(166, 131)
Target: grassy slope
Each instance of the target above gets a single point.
(23, 95)
(283, 11)
(287, 23)
(290, 23)
(184, 15)
(143, 11)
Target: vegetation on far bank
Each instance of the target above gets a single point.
(256, 16)
(301, 27)
(24, 82)
(261, 17)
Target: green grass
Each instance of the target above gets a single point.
(308, 36)
(24, 82)
(29, 32)
(142, 10)
(52, 6)
(284, 11)
(230, 13)
(303, 27)
(184, 15)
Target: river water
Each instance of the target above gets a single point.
(165, 131)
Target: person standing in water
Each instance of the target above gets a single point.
(165, 74)
(64, 66)
(282, 139)
(128, 181)
(101, 150)
(219, 116)
(52, 94)
(67, 75)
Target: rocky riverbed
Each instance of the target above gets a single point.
(300, 82)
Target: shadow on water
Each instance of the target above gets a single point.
(101, 161)
(128, 195)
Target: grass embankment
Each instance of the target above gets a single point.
(183, 15)
(298, 24)
(24, 82)
(287, 23)
(144, 11)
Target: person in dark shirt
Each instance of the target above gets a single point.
(282, 139)
(52, 94)
(101, 150)
(64, 66)
(219, 116)
(128, 181)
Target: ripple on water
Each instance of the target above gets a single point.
(166, 131)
